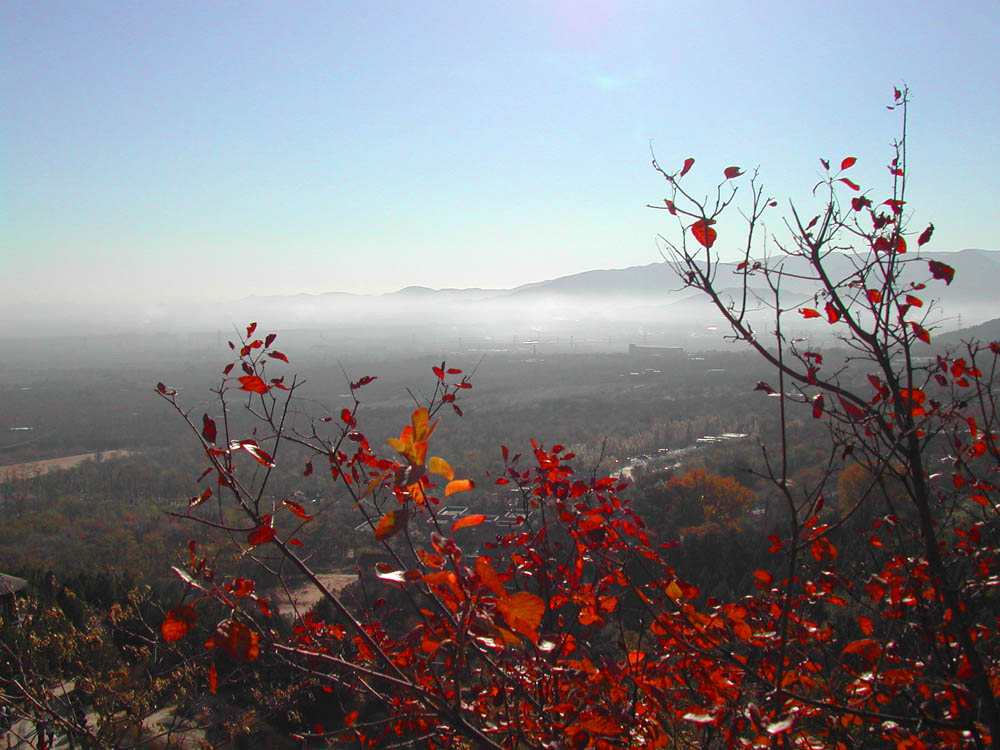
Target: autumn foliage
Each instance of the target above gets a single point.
(570, 629)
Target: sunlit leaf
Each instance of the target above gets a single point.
(253, 384)
(458, 485)
(523, 613)
(441, 467)
(468, 521)
(489, 578)
(391, 524)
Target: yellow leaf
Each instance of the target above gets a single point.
(458, 485)
(440, 466)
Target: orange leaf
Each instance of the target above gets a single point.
(703, 232)
(832, 314)
(391, 524)
(441, 467)
(253, 384)
(489, 578)
(213, 679)
(237, 640)
(467, 521)
(178, 622)
(808, 312)
(458, 485)
(523, 613)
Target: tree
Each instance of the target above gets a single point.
(924, 659)
(571, 630)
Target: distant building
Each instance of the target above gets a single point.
(656, 354)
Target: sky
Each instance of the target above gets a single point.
(171, 151)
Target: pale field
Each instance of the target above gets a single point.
(36, 468)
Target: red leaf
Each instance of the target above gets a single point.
(439, 372)
(454, 371)
(309, 469)
(258, 454)
(941, 271)
(825, 163)
(269, 339)
(852, 411)
(762, 386)
(703, 232)
(848, 162)
(808, 312)
(298, 510)
(363, 382)
(900, 245)
(467, 521)
(732, 172)
(914, 301)
(253, 384)
(874, 296)
(688, 163)
(278, 355)
(208, 430)
(920, 332)
(178, 622)
(194, 502)
(161, 388)
(250, 329)
(849, 183)
(818, 406)
(213, 679)
(925, 236)
(228, 368)
(237, 640)
(263, 533)
(832, 314)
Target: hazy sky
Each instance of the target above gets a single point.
(212, 150)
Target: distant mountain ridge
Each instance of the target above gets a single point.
(977, 275)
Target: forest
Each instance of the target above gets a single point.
(784, 542)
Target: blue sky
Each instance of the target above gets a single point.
(164, 151)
